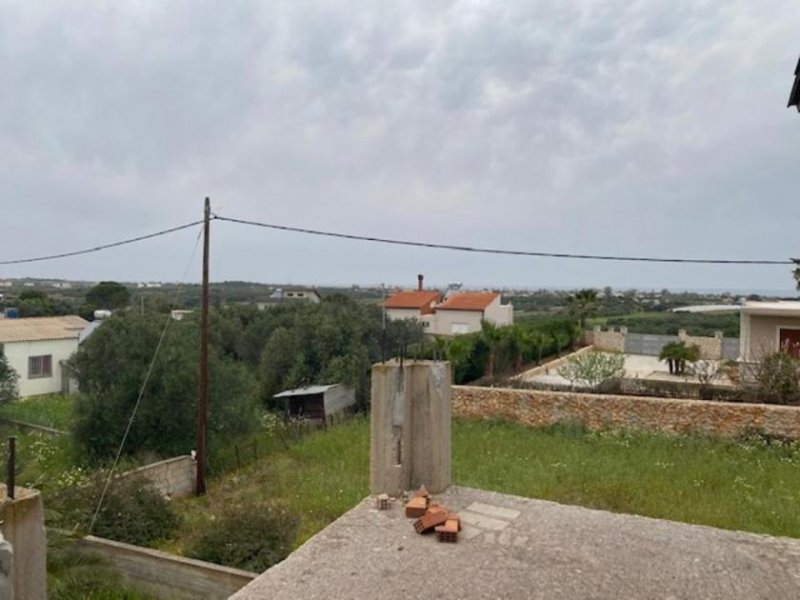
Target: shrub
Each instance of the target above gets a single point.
(133, 511)
(778, 379)
(252, 536)
(593, 368)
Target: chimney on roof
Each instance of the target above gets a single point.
(419, 282)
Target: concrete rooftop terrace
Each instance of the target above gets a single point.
(514, 547)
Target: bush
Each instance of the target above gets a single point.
(133, 511)
(252, 536)
(593, 369)
(778, 379)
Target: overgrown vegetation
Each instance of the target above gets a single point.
(247, 535)
(669, 323)
(132, 510)
(8, 379)
(49, 410)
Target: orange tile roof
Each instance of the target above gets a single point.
(420, 300)
(468, 301)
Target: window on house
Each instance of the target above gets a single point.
(40, 366)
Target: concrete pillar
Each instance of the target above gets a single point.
(410, 427)
(23, 527)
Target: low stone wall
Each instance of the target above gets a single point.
(710, 347)
(597, 411)
(167, 575)
(609, 340)
(22, 525)
(174, 477)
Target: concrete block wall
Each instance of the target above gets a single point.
(22, 525)
(174, 477)
(597, 411)
(167, 575)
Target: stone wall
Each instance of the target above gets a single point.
(174, 477)
(710, 347)
(609, 340)
(597, 411)
(167, 575)
(23, 527)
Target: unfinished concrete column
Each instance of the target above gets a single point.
(23, 527)
(410, 427)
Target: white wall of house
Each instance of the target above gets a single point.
(760, 334)
(19, 353)
(338, 398)
(454, 322)
(499, 314)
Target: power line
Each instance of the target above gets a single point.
(133, 240)
(397, 242)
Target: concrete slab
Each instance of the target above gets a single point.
(548, 551)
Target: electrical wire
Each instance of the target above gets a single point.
(476, 249)
(133, 240)
(143, 387)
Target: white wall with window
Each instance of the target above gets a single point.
(38, 364)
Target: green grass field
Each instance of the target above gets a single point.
(51, 410)
(748, 486)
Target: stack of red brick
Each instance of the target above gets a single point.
(430, 516)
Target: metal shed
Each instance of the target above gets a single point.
(318, 403)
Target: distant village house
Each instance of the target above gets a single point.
(457, 313)
(37, 349)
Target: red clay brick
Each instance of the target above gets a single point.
(416, 507)
(430, 520)
(449, 531)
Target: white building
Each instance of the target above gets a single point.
(459, 312)
(36, 348)
(463, 312)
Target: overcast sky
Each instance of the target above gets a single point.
(646, 127)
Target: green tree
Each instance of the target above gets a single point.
(108, 295)
(583, 304)
(8, 379)
(111, 367)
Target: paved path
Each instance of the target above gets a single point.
(515, 547)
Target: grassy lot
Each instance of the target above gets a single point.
(51, 410)
(319, 478)
(749, 486)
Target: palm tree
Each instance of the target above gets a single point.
(492, 335)
(583, 304)
(796, 271)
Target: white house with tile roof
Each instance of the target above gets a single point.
(37, 348)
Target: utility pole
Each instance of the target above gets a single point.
(202, 400)
(383, 324)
